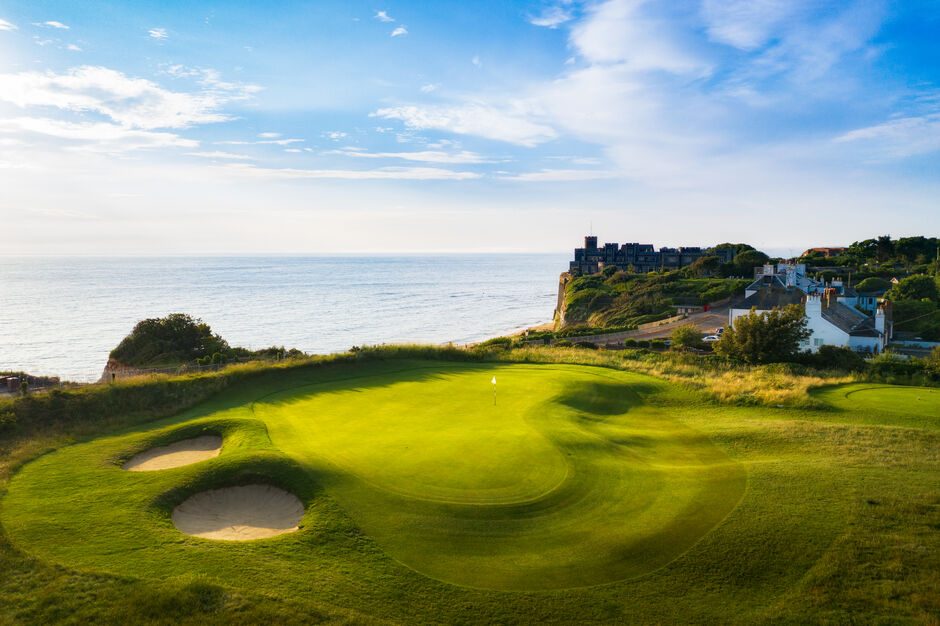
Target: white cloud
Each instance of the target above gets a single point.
(552, 17)
(509, 123)
(427, 156)
(292, 150)
(429, 87)
(158, 33)
(897, 138)
(382, 16)
(52, 24)
(73, 48)
(217, 154)
(269, 135)
(476, 61)
(747, 24)
(41, 42)
(131, 102)
(335, 135)
(5, 25)
(385, 173)
(549, 175)
(401, 30)
(100, 136)
(279, 142)
(624, 32)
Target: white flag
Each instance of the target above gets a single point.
(494, 380)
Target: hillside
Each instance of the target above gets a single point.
(622, 299)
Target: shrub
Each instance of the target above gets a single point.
(586, 344)
(873, 283)
(658, 344)
(629, 343)
(839, 357)
(176, 338)
(687, 336)
(564, 343)
(642, 343)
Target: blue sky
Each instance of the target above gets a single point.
(316, 127)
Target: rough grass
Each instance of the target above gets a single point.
(838, 522)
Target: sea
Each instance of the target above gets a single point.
(61, 316)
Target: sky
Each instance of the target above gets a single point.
(237, 127)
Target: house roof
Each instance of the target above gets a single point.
(850, 320)
(773, 281)
(768, 298)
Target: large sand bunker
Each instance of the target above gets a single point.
(239, 513)
(176, 454)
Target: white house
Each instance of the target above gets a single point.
(829, 321)
(834, 323)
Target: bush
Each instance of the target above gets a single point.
(586, 344)
(7, 420)
(658, 344)
(176, 338)
(642, 343)
(687, 336)
(629, 343)
(874, 283)
(838, 357)
(564, 343)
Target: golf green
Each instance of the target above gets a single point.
(565, 477)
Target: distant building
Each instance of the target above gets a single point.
(782, 275)
(827, 252)
(640, 257)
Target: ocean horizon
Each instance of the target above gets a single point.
(62, 315)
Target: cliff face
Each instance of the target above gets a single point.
(115, 370)
(559, 317)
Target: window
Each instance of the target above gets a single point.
(817, 341)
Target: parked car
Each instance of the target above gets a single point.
(719, 330)
(710, 338)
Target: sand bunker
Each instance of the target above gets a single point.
(176, 454)
(239, 513)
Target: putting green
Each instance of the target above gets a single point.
(569, 480)
(917, 407)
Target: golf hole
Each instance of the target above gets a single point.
(239, 513)
(176, 454)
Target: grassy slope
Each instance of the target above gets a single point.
(837, 517)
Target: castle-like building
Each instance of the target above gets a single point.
(640, 257)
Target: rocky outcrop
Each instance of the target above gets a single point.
(115, 370)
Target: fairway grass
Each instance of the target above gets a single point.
(583, 494)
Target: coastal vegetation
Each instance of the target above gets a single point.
(837, 521)
(178, 339)
(623, 299)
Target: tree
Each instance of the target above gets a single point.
(687, 336)
(884, 247)
(704, 266)
(919, 287)
(176, 338)
(871, 284)
(746, 261)
(766, 337)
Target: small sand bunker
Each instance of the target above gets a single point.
(176, 454)
(239, 513)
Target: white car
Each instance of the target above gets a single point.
(710, 338)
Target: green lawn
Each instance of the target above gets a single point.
(584, 494)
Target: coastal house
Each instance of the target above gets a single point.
(834, 323)
(830, 320)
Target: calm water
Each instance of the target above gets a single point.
(61, 316)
